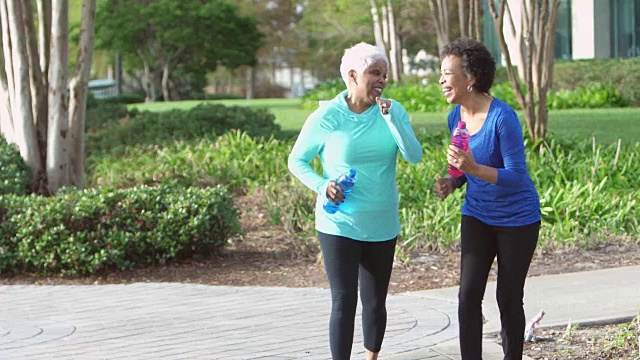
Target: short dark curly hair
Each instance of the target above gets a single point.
(475, 59)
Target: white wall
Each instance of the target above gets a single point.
(583, 29)
(591, 34)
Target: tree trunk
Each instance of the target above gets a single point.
(79, 89)
(377, 26)
(147, 84)
(536, 42)
(44, 33)
(303, 85)
(462, 18)
(6, 120)
(477, 19)
(17, 64)
(38, 82)
(167, 67)
(118, 74)
(165, 81)
(393, 44)
(385, 27)
(440, 16)
(251, 82)
(292, 80)
(58, 171)
(7, 54)
(475, 22)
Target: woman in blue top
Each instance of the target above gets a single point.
(359, 130)
(501, 210)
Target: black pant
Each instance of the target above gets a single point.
(345, 260)
(514, 247)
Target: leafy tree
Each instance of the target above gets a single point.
(329, 27)
(279, 21)
(162, 35)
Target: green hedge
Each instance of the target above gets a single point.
(623, 74)
(160, 128)
(83, 232)
(586, 189)
(576, 84)
(428, 98)
(15, 174)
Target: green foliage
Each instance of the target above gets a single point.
(328, 28)
(576, 84)
(504, 91)
(206, 96)
(623, 74)
(82, 232)
(592, 96)
(103, 113)
(587, 189)
(161, 128)
(15, 175)
(234, 159)
(295, 211)
(414, 97)
(188, 36)
(125, 98)
(428, 98)
(626, 339)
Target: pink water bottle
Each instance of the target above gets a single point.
(460, 138)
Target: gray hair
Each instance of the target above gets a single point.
(359, 57)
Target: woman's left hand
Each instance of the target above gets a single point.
(384, 105)
(462, 160)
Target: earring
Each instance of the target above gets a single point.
(470, 88)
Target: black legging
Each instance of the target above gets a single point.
(345, 260)
(514, 247)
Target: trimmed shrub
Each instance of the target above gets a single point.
(15, 174)
(576, 84)
(623, 74)
(83, 232)
(161, 128)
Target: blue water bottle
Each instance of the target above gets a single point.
(346, 181)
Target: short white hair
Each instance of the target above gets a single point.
(359, 57)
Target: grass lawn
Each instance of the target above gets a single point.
(607, 125)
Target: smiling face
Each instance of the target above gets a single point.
(453, 80)
(369, 84)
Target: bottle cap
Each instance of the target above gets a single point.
(462, 124)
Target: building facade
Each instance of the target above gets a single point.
(586, 29)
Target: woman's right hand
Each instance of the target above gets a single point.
(444, 187)
(334, 193)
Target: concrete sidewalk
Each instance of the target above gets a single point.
(187, 321)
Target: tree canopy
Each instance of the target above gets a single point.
(162, 35)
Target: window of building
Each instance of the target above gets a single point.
(625, 28)
(489, 36)
(563, 31)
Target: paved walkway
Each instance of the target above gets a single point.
(186, 321)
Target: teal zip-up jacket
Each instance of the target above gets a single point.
(369, 143)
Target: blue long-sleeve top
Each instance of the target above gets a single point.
(368, 142)
(513, 200)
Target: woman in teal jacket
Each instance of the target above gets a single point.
(360, 130)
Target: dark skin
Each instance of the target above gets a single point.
(445, 186)
(474, 109)
(334, 191)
